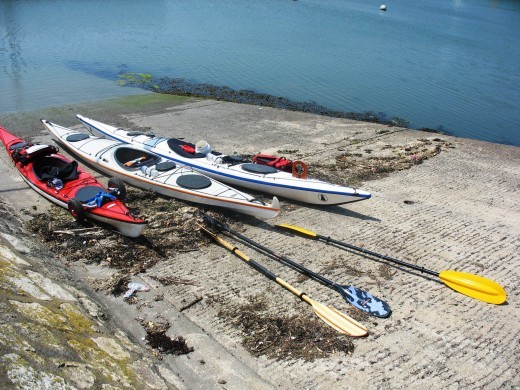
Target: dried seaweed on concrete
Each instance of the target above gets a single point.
(286, 337)
(169, 231)
(158, 339)
(358, 167)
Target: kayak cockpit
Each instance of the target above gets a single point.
(132, 159)
(50, 167)
(184, 149)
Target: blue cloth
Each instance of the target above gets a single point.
(100, 199)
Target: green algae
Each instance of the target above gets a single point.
(111, 370)
(139, 79)
(7, 269)
(111, 347)
(41, 315)
(77, 332)
(10, 336)
(52, 343)
(39, 334)
(22, 374)
(76, 319)
(134, 102)
(27, 123)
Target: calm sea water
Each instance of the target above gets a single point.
(452, 65)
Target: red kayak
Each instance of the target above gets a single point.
(60, 180)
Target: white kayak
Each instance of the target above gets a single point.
(230, 170)
(147, 170)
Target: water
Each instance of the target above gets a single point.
(451, 65)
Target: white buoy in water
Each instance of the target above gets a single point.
(383, 7)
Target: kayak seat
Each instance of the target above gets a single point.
(133, 159)
(178, 146)
(86, 193)
(77, 137)
(194, 182)
(257, 168)
(46, 168)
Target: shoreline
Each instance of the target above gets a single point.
(455, 208)
(177, 89)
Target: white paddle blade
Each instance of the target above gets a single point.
(365, 301)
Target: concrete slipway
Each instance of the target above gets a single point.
(458, 209)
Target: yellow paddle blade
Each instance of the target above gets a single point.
(297, 229)
(474, 286)
(338, 320)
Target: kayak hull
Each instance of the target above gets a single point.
(113, 213)
(278, 183)
(146, 170)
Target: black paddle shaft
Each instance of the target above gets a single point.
(358, 298)
(384, 257)
(219, 225)
(260, 268)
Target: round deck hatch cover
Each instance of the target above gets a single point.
(77, 137)
(87, 193)
(165, 166)
(257, 168)
(194, 182)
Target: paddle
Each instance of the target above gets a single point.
(358, 298)
(134, 161)
(334, 318)
(471, 285)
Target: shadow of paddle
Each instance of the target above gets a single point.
(381, 261)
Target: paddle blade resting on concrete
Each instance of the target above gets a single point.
(358, 298)
(364, 301)
(337, 320)
(474, 286)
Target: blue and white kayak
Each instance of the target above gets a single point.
(145, 169)
(227, 169)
